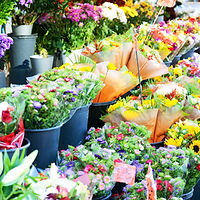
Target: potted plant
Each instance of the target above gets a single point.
(42, 62)
(84, 86)
(23, 18)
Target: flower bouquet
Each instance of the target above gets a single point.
(154, 111)
(117, 82)
(97, 162)
(56, 186)
(11, 123)
(184, 134)
(115, 49)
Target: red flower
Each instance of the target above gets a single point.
(166, 182)
(149, 161)
(97, 130)
(29, 86)
(159, 187)
(75, 158)
(159, 181)
(110, 135)
(198, 167)
(67, 79)
(170, 188)
(102, 168)
(6, 116)
(140, 190)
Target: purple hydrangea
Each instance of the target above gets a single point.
(5, 43)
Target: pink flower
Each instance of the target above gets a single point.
(137, 151)
(68, 154)
(120, 136)
(149, 161)
(84, 16)
(98, 177)
(140, 190)
(55, 103)
(106, 179)
(80, 24)
(168, 155)
(101, 186)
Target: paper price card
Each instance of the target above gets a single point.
(151, 186)
(124, 173)
(166, 3)
(83, 179)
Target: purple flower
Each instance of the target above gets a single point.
(121, 152)
(98, 156)
(69, 172)
(5, 43)
(181, 157)
(88, 137)
(70, 164)
(159, 170)
(37, 104)
(73, 99)
(117, 146)
(80, 173)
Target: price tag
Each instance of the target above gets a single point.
(124, 173)
(151, 186)
(166, 3)
(83, 179)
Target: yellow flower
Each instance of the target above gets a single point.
(158, 78)
(148, 103)
(130, 114)
(150, 13)
(85, 69)
(142, 9)
(195, 146)
(172, 133)
(174, 141)
(169, 103)
(111, 66)
(178, 71)
(136, 6)
(115, 44)
(62, 66)
(115, 106)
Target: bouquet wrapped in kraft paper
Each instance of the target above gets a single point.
(157, 113)
(117, 82)
(117, 53)
(150, 63)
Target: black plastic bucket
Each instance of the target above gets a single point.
(73, 131)
(25, 145)
(96, 111)
(157, 144)
(188, 195)
(2, 80)
(46, 142)
(106, 197)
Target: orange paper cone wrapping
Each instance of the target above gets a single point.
(149, 68)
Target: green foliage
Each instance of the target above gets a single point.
(6, 6)
(13, 172)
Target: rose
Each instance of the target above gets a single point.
(6, 116)
(198, 167)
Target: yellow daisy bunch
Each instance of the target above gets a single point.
(115, 106)
(174, 141)
(129, 11)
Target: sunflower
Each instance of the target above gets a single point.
(195, 146)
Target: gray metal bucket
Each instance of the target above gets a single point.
(2, 80)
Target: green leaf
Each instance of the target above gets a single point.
(22, 155)
(6, 162)
(15, 157)
(1, 162)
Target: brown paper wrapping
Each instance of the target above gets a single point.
(155, 120)
(148, 68)
(116, 83)
(118, 56)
